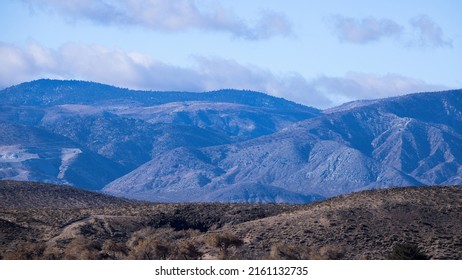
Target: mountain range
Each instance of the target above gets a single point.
(227, 145)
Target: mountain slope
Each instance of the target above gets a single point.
(362, 225)
(391, 142)
(33, 154)
(17, 194)
(124, 129)
(225, 145)
(128, 126)
(419, 134)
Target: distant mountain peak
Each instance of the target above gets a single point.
(57, 92)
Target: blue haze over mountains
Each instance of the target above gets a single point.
(227, 145)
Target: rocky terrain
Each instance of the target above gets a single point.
(364, 225)
(87, 134)
(411, 140)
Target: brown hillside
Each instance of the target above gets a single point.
(17, 194)
(363, 225)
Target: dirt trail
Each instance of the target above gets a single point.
(70, 230)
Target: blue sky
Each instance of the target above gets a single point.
(318, 53)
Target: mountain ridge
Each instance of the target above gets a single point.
(36, 195)
(127, 127)
(366, 147)
(59, 90)
(229, 144)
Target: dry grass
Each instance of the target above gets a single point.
(364, 225)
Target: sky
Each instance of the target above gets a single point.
(317, 53)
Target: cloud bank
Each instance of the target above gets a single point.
(429, 34)
(138, 71)
(424, 31)
(361, 31)
(358, 86)
(167, 16)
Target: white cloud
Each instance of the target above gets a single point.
(135, 70)
(167, 16)
(91, 62)
(429, 34)
(426, 33)
(361, 31)
(271, 24)
(356, 85)
(138, 71)
(14, 67)
(219, 73)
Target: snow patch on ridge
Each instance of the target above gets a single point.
(68, 155)
(14, 153)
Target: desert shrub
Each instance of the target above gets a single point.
(282, 251)
(151, 244)
(140, 235)
(188, 251)
(52, 252)
(82, 248)
(328, 252)
(407, 251)
(26, 251)
(115, 250)
(183, 234)
(223, 241)
(151, 249)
